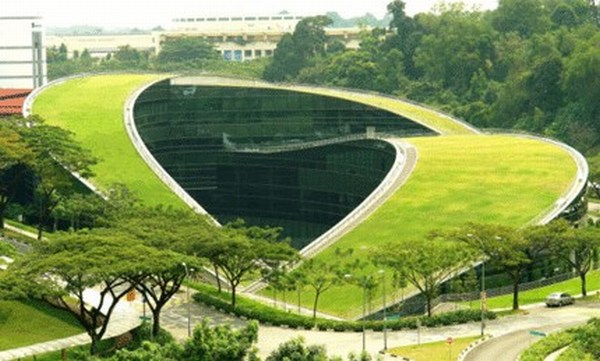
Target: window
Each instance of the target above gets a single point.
(211, 19)
(289, 18)
(236, 19)
(223, 19)
(263, 18)
(237, 55)
(268, 52)
(276, 18)
(199, 19)
(257, 53)
(227, 55)
(247, 53)
(252, 18)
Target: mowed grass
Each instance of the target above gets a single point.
(458, 179)
(92, 108)
(434, 351)
(30, 322)
(538, 295)
(430, 118)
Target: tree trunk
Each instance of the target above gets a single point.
(40, 231)
(515, 295)
(218, 278)
(2, 210)
(232, 295)
(299, 300)
(429, 300)
(94, 344)
(315, 305)
(583, 284)
(156, 320)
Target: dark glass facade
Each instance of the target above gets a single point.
(255, 153)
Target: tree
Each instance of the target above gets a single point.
(294, 51)
(426, 264)
(221, 343)
(295, 349)
(181, 49)
(56, 156)
(171, 233)
(507, 248)
(577, 247)
(70, 264)
(240, 250)
(321, 276)
(594, 177)
(526, 17)
(15, 154)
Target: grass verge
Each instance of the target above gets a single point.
(434, 351)
(25, 323)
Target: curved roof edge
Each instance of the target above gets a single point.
(145, 154)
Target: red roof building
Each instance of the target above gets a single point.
(11, 101)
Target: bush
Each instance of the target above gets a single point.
(547, 345)
(264, 314)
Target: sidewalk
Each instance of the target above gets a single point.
(125, 318)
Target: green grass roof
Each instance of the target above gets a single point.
(457, 179)
(92, 108)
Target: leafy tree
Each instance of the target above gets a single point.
(70, 264)
(240, 250)
(526, 17)
(181, 49)
(295, 349)
(321, 276)
(221, 343)
(56, 156)
(577, 247)
(594, 177)
(14, 155)
(426, 264)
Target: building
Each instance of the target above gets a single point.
(22, 53)
(235, 38)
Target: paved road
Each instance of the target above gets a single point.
(510, 346)
(341, 343)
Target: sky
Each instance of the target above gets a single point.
(150, 13)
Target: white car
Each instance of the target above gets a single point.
(559, 299)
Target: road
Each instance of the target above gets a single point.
(510, 332)
(508, 346)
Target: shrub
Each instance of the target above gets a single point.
(264, 314)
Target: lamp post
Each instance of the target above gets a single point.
(483, 295)
(363, 283)
(382, 272)
(187, 296)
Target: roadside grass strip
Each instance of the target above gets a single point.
(25, 323)
(434, 351)
(92, 108)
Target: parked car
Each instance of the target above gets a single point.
(559, 299)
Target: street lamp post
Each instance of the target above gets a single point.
(187, 296)
(363, 283)
(382, 272)
(483, 295)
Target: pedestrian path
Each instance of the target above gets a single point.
(125, 318)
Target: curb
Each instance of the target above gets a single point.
(463, 354)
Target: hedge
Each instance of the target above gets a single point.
(254, 310)
(544, 347)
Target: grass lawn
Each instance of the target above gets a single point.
(427, 117)
(435, 351)
(92, 108)
(29, 322)
(572, 286)
(458, 179)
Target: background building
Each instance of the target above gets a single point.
(22, 53)
(235, 38)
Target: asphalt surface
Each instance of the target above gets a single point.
(510, 333)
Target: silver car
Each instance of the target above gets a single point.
(559, 299)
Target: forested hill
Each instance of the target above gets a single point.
(530, 65)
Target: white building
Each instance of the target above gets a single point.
(236, 38)
(22, 53)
